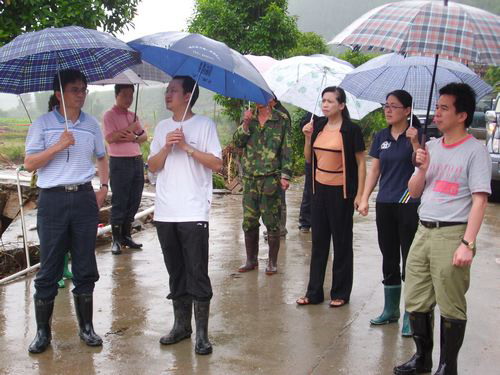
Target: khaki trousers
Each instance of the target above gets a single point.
(430, 275)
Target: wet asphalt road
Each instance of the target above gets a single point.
(255, 325)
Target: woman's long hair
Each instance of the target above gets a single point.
(406, 100)
(341, 98)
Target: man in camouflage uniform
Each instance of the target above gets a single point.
(266, 162)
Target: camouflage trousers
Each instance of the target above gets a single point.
(262, 198)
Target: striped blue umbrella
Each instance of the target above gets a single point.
(212, 64)
(377, 77)
(30, 62)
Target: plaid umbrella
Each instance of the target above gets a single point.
(453, 31)
(376, 78)
(30, 62)
(456, 32)
(212, 64)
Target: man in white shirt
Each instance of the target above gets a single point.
(184, 152)
(453, 181)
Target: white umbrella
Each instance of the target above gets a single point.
(137, 74)
(300, 80)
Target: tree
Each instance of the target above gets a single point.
(309, 43)
(19, 16)
(259, 27)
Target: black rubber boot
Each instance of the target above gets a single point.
(116, 230)
(452, 337)
(181, 330)
(201, 313)
(422, 325)
(43, 314)
(273, 241)
(252, 249)
(127, 237)
(84, 310)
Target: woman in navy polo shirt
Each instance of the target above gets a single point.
(396, 212)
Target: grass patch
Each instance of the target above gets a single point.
(12, 138)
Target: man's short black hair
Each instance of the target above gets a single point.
(68, 76)
(121, 87)
(465, 99)
(189, 86)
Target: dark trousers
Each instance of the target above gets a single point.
(331, 219)
(66, 221)
(305, 205)
(185, 252)
(396, 227)
(126, 177)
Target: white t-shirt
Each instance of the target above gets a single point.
(184, 186)
(455, 172)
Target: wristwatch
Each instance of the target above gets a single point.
(471, 245)
(136, 138)
(190, 151)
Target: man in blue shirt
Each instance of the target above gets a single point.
(62, 152)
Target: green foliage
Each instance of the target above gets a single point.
(261, 27)
(145, 148)
(19, 16)
(297, 142)
(309, 43)
(218, 181)
(492, 77)
(356, 58)
(371, 124)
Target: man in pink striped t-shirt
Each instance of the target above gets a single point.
(124, 134)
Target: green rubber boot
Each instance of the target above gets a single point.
(66, 273)
(406, 329)
(392, 295)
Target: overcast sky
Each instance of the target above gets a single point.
(154, 16)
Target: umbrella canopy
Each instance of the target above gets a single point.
(300, 80)
(137, 74)
(453, 31)
(261, 63)
(30, 62)
(376, 78)
(212, 64)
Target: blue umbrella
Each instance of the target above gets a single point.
(377, 77)
(30, 62)
(212, 64)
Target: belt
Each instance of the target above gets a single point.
(439, 224)
(72, 188)
(137, 157)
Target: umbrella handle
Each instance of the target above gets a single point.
(64, 109)
(26, 109)
(136, 103)
(190, 98)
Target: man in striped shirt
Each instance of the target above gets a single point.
(63, 153)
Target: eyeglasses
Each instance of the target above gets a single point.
(76, 91)
(392, 107)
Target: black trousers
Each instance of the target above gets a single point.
(305, 205)
(126, 177)
(396, 227)
(331, 219)
(66, 221)
(185, 252)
